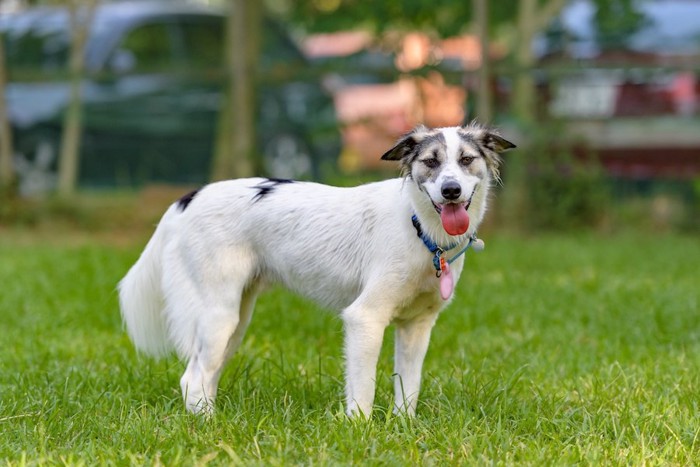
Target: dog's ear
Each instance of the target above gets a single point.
(406, 144)
(494, 145)
(495, 142)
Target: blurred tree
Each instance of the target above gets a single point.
(8, 177)
(444, 17)
(80, 12)
(484, 103)
(616, 20)
(533, 16)
(235, 154)
(447, 17)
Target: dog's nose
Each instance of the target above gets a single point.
(451, 190)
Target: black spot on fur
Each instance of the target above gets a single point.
(185, 201)
(268, 186)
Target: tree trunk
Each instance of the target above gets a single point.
(524, 88)
(7, 169)
(484, 109)
(235, 145)
(69, 156)
(531, 19)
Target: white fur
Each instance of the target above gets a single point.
(351, 249)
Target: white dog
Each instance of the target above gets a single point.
(379, 253)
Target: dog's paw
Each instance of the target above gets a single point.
(202, 407)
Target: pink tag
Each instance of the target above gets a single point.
(447, 283)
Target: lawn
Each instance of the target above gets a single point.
(558, 349)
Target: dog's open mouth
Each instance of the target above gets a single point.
(454, 217)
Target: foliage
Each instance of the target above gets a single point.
(444, 17)
(564, 190)
(618, 20)
(554, 183)
(557, 350)
(656, 205)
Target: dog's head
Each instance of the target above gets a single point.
(448, 165)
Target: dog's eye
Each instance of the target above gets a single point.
(466, 160)
(431, 163)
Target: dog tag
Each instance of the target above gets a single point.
(478, 245)
(447, 283)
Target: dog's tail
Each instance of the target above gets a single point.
(141, 295)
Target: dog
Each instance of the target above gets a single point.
(382, 253)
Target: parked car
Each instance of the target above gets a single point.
(635, 95)
(152, 94)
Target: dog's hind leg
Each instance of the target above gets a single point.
(246, 314)
(410, 347)
(218, 310)
(201, 378)
(219, 336)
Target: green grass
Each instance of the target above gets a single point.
(557, 350)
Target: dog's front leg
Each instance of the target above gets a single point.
(411, 345)
(364, 331)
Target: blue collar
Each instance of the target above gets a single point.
(437, 250)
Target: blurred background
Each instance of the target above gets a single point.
(99, 98)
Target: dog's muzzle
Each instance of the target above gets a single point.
(451, 190)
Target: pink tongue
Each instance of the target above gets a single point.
(455, 219)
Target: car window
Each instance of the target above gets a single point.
(149, 47)
(203, 41)
(38, 52)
